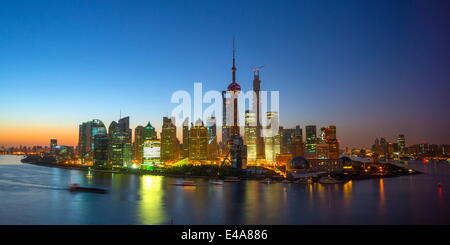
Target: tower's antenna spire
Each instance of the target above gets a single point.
(233, 69)
(234, 54)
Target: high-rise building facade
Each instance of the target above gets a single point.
(53, 144)
(250, 135)
(311, 139)
(137, 145)
(213, 147)
(87, 132)
(260, 151)
(169, 141)
(101, 143)
(120, 147)
(185, 152)
(198, 142)
(401, 141)
(272, 139)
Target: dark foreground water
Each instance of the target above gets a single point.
(36, 195)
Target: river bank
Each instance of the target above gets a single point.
(209, 173)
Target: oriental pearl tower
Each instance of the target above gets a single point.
(230, 128)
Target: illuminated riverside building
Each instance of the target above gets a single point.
(87, 132)
(401, 143)
(120, 147)
(288, 136)
(185, 145)
(301, 164)
(63, 152)
(148, 133)
(260, 151)
(311, 140)
(250, 135)
(137, 145)
(101, 144)
(272, 137)
(213, 148)
(297, 146)
(151, 153)
(332, 142)
(53, 144)
(198, 142)
(169, 141)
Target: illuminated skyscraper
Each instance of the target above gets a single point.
(149, 132)
(151, 147)
(311, 140)
(272, 137)
(137, 146)
(198, 142)
(186, 138)
(260, 152)
(333, 143)
(250, 135)
(287, 137)
(151, 153)
(297, 146)
(401, 143)
(53, 144)
(213, 148)
(120, 147)
(87, 132)
(169, 141)
(101, 143)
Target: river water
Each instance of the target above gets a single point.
(32, 194)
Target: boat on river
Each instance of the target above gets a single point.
(78, 188)
(185, 183)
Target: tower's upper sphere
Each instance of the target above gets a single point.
(234, 87)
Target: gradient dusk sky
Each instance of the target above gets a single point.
(372, 68)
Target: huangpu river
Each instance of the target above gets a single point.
(32, 194)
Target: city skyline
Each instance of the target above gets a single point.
(48, 89)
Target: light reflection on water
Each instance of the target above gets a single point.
(35, 195)
(151, 194)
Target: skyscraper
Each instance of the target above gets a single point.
(186, 138)
(53, 144)
(260, 152)
(137, 145)
(198, 142)
(213, 148)
(287, 137)
(169, 141)
(333, 143)
(151, 147)
(250, 134)
(87, 132)
(401, 143)
(311, 140)
(120, 147)
(101, 143)
(272, 137)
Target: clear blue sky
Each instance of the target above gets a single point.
(372, 68)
